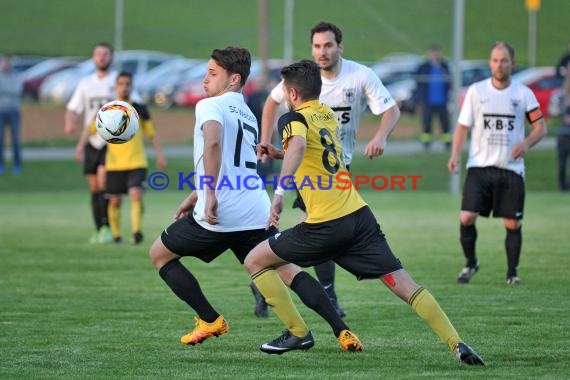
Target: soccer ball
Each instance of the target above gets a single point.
(117, 122)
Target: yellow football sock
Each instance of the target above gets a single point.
(277, 296)
(428, 309)
(114, 217)
(136, 216)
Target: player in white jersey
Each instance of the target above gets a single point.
(91, 93)
(230, 207)
(495, 110)
(348, 88)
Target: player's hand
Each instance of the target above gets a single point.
(68, 129)
(261, 154)
(453, 165)
(211, 209)
(79, 150)
(375, 148)
(161, 163)
(275, 212)
(519, 150)
(186, 206)
(270, 150)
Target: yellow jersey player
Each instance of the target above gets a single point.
(126, 165)
(339, 225)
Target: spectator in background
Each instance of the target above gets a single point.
(10, 103)
(433, 86)
(562, 66)
(563, 143)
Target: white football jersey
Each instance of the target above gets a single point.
(91, 93)
(355, 87)
(243, 203)
(497, 121)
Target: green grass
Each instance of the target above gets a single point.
(372, 28)
(73, 310)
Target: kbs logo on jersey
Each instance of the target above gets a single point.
(498, 122)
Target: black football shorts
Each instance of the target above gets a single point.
(355, 242)
(494, 189)
(186, 237)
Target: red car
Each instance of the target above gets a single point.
(192, 91)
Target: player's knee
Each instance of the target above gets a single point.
(159, 254)
(467, 218)
(288, 273)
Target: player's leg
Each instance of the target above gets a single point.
(427, 308)
(260, 263)
(370, 256)
(186, 238)
(468, 240)
(325, 272)
(476, 200)
(114, 215)
(90, 164)
(135, 181)
(509, 194)
(115, 187)
(105, 235)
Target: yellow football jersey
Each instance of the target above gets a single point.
(130, 155)
(316, 177)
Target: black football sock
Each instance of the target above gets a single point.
(186, 287)
(468, 237)
(513, 244)
(96, 209)
(313, 296)
(104, 204)
(325, 273)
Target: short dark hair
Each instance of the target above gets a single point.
(305, 77)
(324, 26)
(106, 45)
(125, 74)
(507, 46)
(235, 60)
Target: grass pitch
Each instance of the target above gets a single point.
(74, 310)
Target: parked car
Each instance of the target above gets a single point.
(59, 87)
(397, 67)
(544, 87)
(33, 77)
(21, 63)
(171, 71)
(165, 93)
(192, 91)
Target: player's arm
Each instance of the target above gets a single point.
(71, 121)
(83, 138)
(186, 206)
(296, 146)
(388, 121)
(150, 133)
(457, 143)
(212, 131)
(160, 160)
(538, 132)
(268, 116)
